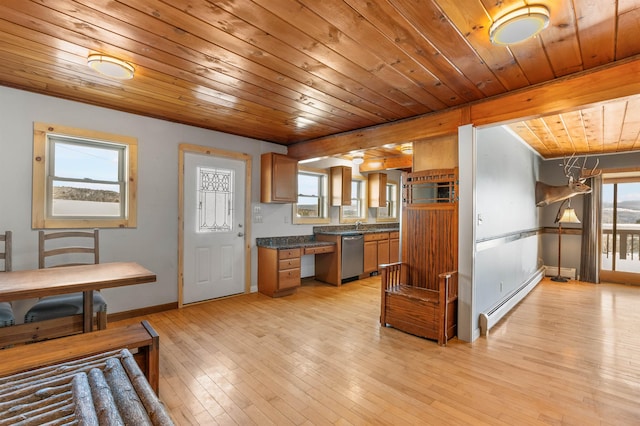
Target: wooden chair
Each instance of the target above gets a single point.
(53, 307)
(6, 312)
(419, 310)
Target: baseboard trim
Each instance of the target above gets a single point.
(119, 316)
(491, 317)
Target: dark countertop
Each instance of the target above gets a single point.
(302, 241)
(351, 229)
(360, 231)
(298, 241)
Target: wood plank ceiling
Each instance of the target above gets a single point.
(289, 71)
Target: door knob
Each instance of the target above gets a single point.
(240, 234)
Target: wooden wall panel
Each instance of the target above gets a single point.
(436, 153)
(430, 239)
(429, 243)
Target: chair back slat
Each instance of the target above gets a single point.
(92, 247)
(6, 254)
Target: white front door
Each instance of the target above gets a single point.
(214, 229)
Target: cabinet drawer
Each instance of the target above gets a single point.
(395, 234)
(288, 278)
(319, 250)
(288, 263)
(377, 236)
(288, 254)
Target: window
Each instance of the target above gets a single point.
(357, 210)
(389, 213)
(83, 179)
(312, 205)
(215, 200)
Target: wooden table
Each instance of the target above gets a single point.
(16, 285)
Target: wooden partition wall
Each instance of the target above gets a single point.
(430, 225)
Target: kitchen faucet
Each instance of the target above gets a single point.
(358, 223)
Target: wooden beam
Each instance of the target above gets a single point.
(399, 162)
(588, 88)
(561, 95)
(409, 130)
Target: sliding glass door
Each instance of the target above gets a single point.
(620, 240)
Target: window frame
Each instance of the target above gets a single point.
(362, 198)
(392, 205)
(616, 272)
(41, 199)
(324, 198)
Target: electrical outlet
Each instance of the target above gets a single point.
(257, 214)
(286, 219)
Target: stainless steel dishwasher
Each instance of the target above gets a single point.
(352, 256)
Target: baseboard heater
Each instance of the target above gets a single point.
(494, 314)
(552, 271)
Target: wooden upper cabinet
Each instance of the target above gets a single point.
(279, 178)
(340, 185)
(377, 189)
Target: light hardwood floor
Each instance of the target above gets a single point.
(569, 354)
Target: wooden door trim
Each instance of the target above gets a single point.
(184, 148)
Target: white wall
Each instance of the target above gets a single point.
(466, 230)
(154, 242)
(498, 173)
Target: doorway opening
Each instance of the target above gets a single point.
(620, 239)
(214, 232)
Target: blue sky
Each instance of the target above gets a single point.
(307, 185)
(80, 162)
(626, 192)
(86, 162)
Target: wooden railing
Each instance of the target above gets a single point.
(627, 246)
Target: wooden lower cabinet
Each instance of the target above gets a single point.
(370, 256)
(383, 252)
(278, 271)
(376, 251)
(394, 247)
(329, 266)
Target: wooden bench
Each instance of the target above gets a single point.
(417, 310)
(140, 338)
(109, 388)
(32, 332)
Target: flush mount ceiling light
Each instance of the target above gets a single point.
(357, 158)
(111, 67)
(519, 25)
(406, 148)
